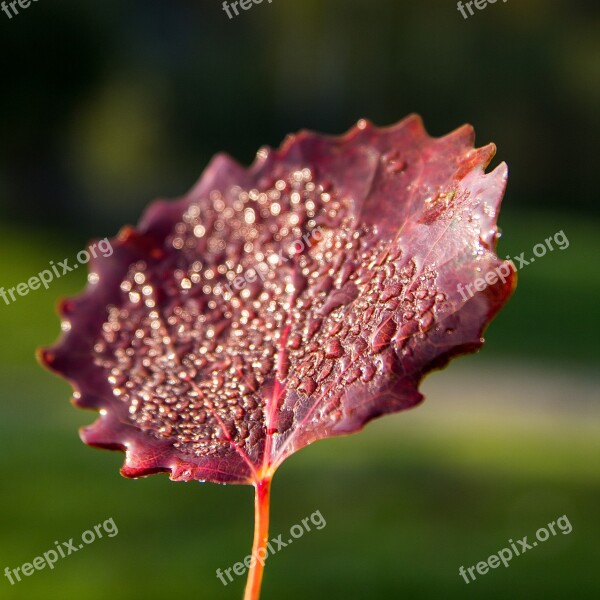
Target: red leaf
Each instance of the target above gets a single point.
(286, 303)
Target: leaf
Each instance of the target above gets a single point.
(290, 302)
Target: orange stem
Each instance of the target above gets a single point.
(262, 498)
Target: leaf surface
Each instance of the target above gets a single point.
(285, 303)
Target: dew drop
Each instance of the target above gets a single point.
(333, 348)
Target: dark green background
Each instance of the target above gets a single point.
(106, 105)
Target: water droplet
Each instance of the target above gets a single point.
(391, 291)
(368, 372)
(308, 386)
(383, 334)
(333, 348)
(426, 321)
(325, 371)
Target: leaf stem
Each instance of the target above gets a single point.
(262, 497)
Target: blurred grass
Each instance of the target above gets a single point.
(407, 502)
(552, 315)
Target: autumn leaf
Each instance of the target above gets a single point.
(292, 301)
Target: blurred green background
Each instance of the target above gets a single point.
(106, 105)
